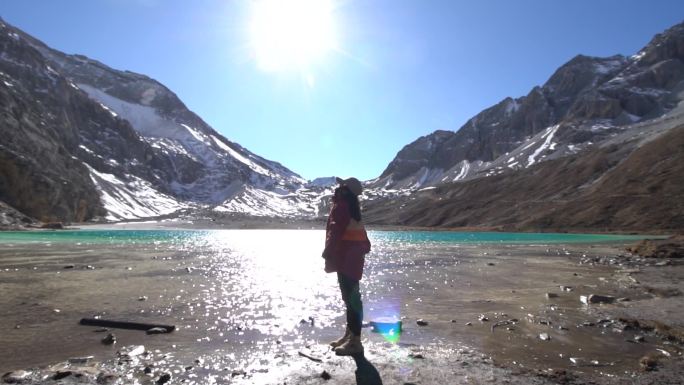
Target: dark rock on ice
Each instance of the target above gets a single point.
(595, 298)
(109, 339)
(61, 374)
(163, 379)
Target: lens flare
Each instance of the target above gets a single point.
(388, 327)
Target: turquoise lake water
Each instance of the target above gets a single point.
(203, 236)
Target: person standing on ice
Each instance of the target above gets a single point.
(346, 244)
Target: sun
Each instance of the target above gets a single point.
(291, 34)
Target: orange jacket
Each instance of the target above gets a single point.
(346, 242)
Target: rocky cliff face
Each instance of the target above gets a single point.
(586, 101)
(41, 115)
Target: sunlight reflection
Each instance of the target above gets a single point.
(270, 281)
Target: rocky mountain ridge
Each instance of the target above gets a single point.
(586, 101)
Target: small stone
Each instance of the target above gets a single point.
(80, 360)
(453, 321)
(17, 326)
(148, 369)
(238, 372)
(157, 331)
(469, 324)
(647, 363)
(544, 337)
(69, 266)
(132, 351)
(567, 288)
(551, 295)
(109, 339)
(483, 318)
(61, 374)
(142, 298)
(416, 356)
(189, 368)
(15, 377)
(639, 338)
(623, 299)
(490, 263)
(325, 375)
(421, 322)
(106, 378)
(595, 298)
(163, 379)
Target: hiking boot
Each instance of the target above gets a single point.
(342, 340)
(350, 347)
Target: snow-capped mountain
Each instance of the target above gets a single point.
(181, 161)
(586, 101)
(82, 141)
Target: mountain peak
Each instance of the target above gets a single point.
(666, 45)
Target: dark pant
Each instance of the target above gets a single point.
(352, 300)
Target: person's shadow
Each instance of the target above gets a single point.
(366, 374)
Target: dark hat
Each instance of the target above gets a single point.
(352, 184)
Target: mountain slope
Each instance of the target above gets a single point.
(133, 143)
(632, 183)
(586, 101)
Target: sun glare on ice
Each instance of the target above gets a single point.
(291, 34)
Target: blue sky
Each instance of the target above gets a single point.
(400, 68)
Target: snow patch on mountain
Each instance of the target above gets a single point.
(465, 166)
(131, 199)
(145, 120)
(546, 145)
(262, 203)
(328, 181)
(255, 167)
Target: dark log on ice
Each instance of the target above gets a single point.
(124, 324)
(314, 359)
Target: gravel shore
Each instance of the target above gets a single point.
(499, 314)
